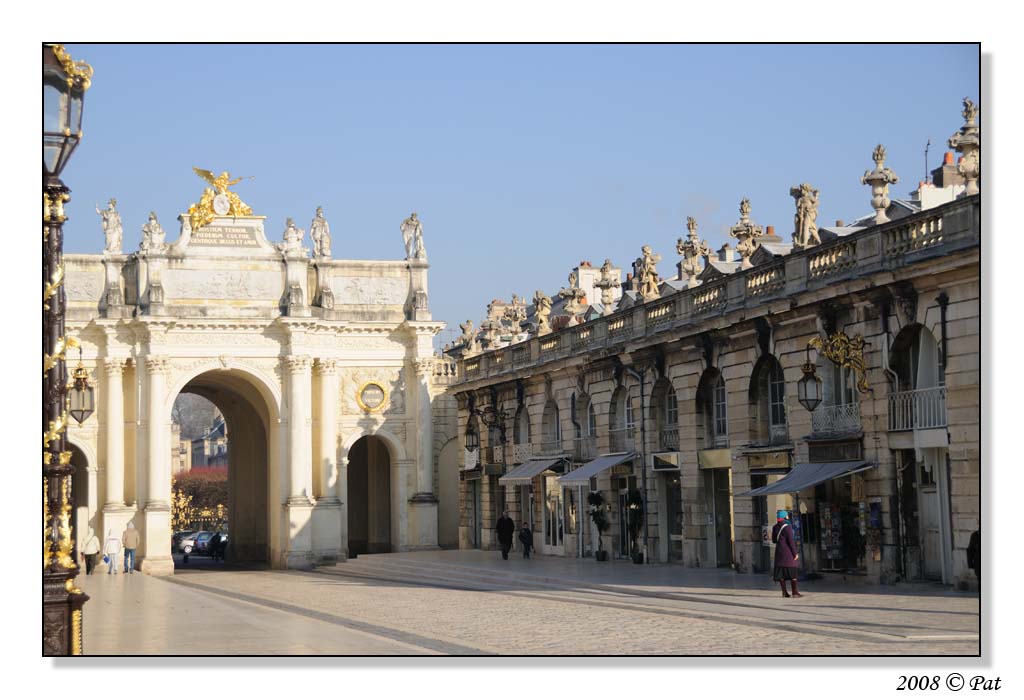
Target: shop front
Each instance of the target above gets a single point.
(832, 517)
(767, 467)
(539, 476)
(716, 472)
(579, 482)
(665, 466)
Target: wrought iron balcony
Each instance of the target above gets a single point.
(584, 449)
(669, 439)
(840, 419)
(550, 447)
(918, 409)
(622, 439)
(521, 452)
(492, 454)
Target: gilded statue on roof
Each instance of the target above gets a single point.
(217, 200)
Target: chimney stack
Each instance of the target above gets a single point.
(840, 223)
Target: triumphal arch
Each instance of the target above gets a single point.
(324, 369)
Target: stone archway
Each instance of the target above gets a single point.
(369, 497)
(249, 408)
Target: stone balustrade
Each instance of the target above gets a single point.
(932, 233)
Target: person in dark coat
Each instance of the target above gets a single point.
(506, 530)
(974, 554)
(786, 555)
(526, 537)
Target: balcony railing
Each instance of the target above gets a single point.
(622, 439)
(550, 447)
(918, 409)
(669, 439)
(492, 454)
(584, 449)
(521, 452)
(836, 420)
(940, 231)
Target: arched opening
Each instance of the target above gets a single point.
(622, 420)
(712, 418)
(237, 439)
(767, 403)
(550, 430)
(80, 522)
(665, 406)
(369, 496)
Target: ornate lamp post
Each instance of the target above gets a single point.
(808, 389)
(64, 84)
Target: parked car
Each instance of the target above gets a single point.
(187, 543)
(177, 538)
(202, 544)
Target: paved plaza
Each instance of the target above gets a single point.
(472, 602)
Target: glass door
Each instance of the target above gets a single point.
(553, 524)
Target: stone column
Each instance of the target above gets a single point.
(425, 425)
(298, 550)
(299, 439)
(155, 548)
(423, 504)
(328, 415)
(114, 433)
(327, 524)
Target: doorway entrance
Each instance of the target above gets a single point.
(716, 485)
(369, 497)
(553, 519)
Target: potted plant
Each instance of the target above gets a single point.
(634, 523)
(599, 515)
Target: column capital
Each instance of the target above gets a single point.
(114, 366)
(297, 363)
(325, 367)
(157, 364)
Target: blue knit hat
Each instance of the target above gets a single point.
(782, 514)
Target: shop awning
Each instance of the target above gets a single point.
(582, 476)
(807, 474)
(524, 473)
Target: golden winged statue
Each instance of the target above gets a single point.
(203, 213)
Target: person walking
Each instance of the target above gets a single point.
(974, 554)
(90, 549)
(526, 537)
(786, 556)
(130, 540)
(506, 530)
(216, 547)
(111, 548)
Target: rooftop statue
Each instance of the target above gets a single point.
(746, 233)
(320, 232)
(467, 333)
(542, 303)
(293, 236)
(217, 200)
(967, 141)
(880, 178)
(645, 272)
(412, 236)
(573, 296)
(692, 250)
(152, 235)
(111, 227)
(806, 231)
(606, 284)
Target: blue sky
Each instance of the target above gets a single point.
(520, 160)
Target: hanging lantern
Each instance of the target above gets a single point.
(808, 389)
(472, 439)
(82, 397)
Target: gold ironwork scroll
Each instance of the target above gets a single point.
(846, 352)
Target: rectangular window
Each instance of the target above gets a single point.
(591, 421)
(630, 421)
(721, 427)
(671, 410)
(777, 395)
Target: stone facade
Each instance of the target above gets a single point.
(719, 414)
(304, 357)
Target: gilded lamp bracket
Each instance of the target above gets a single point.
(846, 352)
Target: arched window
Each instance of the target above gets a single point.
(591, 420)
(768, 403)
(712, 419)
(721, 424)
(551, 429)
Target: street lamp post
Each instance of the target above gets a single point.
(64, 84)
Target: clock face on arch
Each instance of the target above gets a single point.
(221, 205)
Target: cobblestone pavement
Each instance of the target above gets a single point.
(475, 603)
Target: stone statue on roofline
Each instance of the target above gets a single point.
(412, 236)
(606, 284)
(293, 235)
(746, 233)
(152, 236)
(806, 229)
(692, 250)
(967, 141)
(645, 272)
(542, 304)
(320, 232)
(112, 229)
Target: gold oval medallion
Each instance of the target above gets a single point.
(372, 397)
